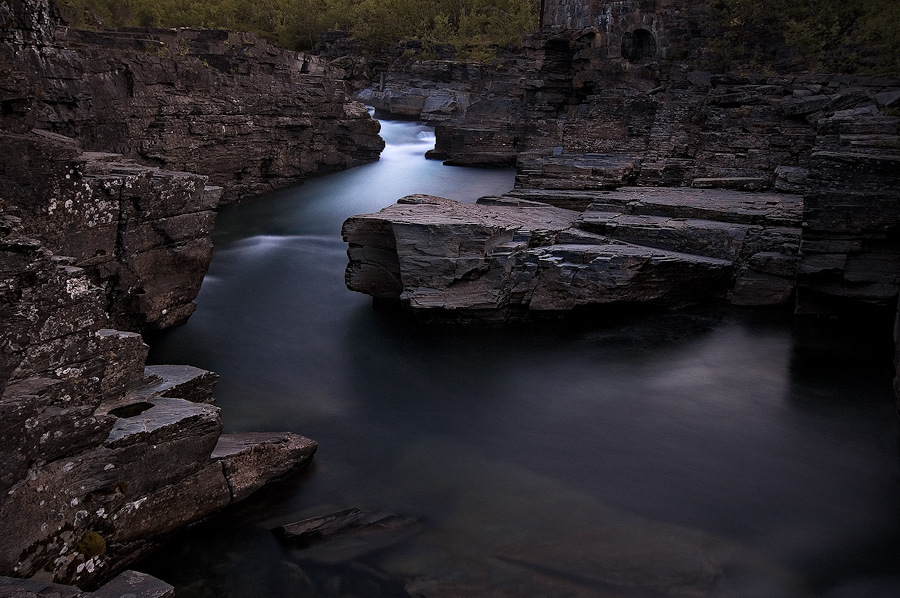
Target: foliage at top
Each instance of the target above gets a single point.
(834, 36)
(297, 24)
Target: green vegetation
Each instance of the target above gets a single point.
(843, 36)
(469, 25)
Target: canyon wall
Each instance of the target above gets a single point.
(104, 235)
(250, 116)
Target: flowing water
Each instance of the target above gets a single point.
(697, 452)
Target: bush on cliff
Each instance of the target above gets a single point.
(860, 36)
(469, 25)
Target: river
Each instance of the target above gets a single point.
(697, 452)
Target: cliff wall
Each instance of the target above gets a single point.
(249, 116)
(101, 457)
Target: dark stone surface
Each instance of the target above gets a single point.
(149, 256)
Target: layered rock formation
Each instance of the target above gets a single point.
(101, 457)
(140, 233)
(662, 247)
(250, 116)
(609, 95)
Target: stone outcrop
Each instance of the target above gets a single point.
(140, 233)
(130, 584)
(611, 95)
(851, 244)
(101, 458)
(509, 254)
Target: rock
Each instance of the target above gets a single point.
(506, 255)
(251, 460)
(201, 101)
(100, 458)
(790, 179)
(131, 584)
(759, 288)
(849, 258)
(149, 256)
(347, 521)
(28, 588)
(128, 584)
(739, 183)
(888, 99)
(174, 381)
(346, 536)
(799, 106)
(574, 172)
(699, 237)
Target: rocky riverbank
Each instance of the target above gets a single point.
(610, 96)
(104, 234)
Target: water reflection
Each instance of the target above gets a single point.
(666, 454)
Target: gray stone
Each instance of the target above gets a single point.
(799, 106)
(888, 99)
(433, 254)
(131, 584)
(251, 460)
(790, 179)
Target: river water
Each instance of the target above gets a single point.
(713, 451)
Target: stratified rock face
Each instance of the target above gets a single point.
(851, 243)
(100, 458)
(630, 246)
(141, 233)
(249, 116)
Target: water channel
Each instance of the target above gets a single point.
(710, 451)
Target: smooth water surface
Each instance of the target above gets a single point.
(632, 455)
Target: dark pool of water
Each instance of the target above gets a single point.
(627, 455)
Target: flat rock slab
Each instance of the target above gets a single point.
(251, 460)
(128, 584)
(570, 276)
(131, 584)
(438, 211)
(708, 238)
(741, 207)
(436, 255)
(166, 418)
(180, 382)
(30, 588)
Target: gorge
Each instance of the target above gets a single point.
(704, 451)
